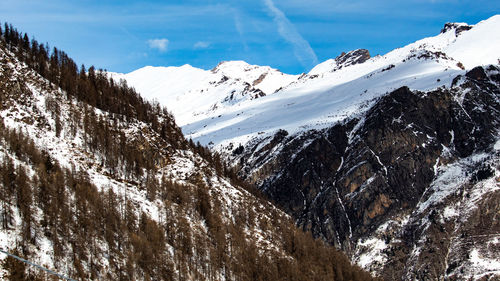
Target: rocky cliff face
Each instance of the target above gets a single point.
(409, 189)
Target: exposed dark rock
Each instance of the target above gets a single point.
(391, 66)
(353, 57)
(260, 79)
(477, 73)
(459, 28)
(484, 172)
(343, 183)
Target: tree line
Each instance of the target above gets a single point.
(90, 86)
(95, 89)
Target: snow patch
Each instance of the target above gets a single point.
(484, 264)
(448, 180)
(374, 254)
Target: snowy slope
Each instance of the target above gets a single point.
(192, 93)
(31, 115)
(314, 105)
(211, 110)
(479, 46)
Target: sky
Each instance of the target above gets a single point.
(290, 35)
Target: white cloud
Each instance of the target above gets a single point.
(160, 44)
(201, 45)
(301, 48)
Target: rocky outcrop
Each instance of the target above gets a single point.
(458, 27)
(399, 186)
(352, 57)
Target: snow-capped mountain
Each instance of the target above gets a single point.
(193, 94)
(392, 158)
(220, 107)
(97, 184)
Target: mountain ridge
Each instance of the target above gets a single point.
(219, 113)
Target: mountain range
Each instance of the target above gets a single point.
(381, 167)
(236, 102)
(393, 158)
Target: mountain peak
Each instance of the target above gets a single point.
(231, 65)
(154, 68)
(343, 60)
(353, 57)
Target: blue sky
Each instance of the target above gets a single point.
(290, 35)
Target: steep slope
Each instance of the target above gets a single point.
(407, 184)
(400, 186)
(394, 158)
(99, 185)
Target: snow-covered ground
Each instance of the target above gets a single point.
(29, 114)
(192, 93)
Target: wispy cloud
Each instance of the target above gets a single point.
(159, 44)
(302, 50)
(201, 45)
(239, 27)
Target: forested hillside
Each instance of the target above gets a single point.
(98, 184)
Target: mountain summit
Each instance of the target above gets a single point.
(343, 60)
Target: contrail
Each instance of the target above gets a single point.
(301, 48)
